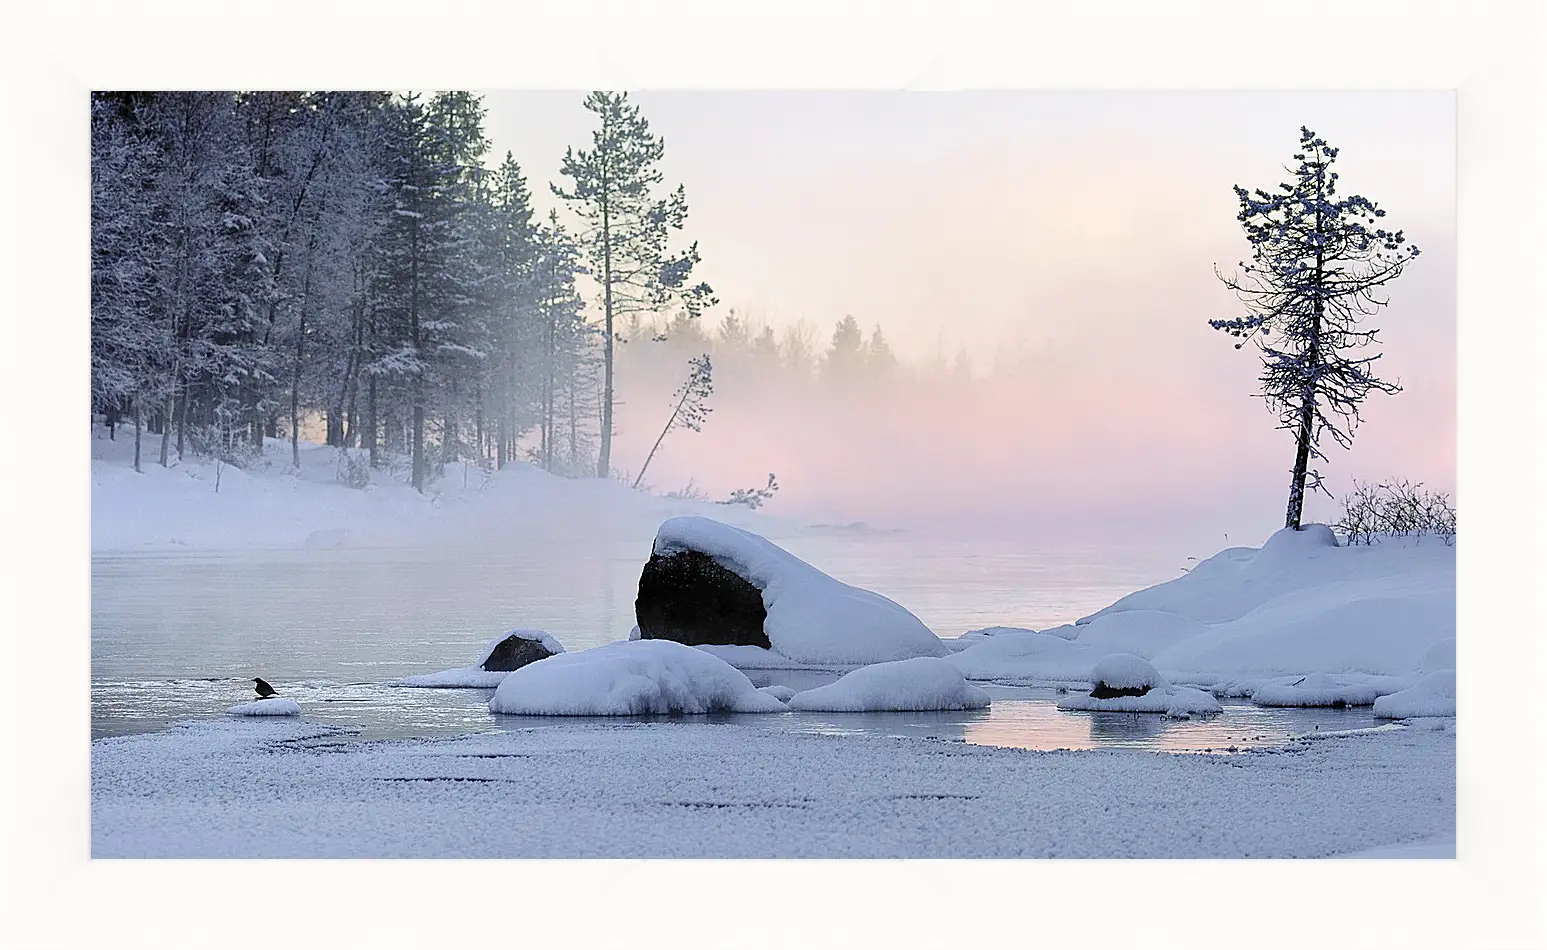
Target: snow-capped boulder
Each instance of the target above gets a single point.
(518, 648)
(1316, 689)
(689, 597)
(1179, 702)
(1434, 695)
(630, 678)
(506, 652)
(711, 583)
(778, 691)
(1123, 674)
(1123, 682)
(273, 706)
(914, 685)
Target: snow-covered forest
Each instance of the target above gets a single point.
(261, 259)
(355, 267)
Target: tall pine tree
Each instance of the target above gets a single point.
(1318, 260)
(625, 230)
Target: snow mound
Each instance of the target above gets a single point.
(1434, 695)
(811, 617)
(1236, 581)
(1441, 656)
(273, 706)
(1026, 657)
(1066, 631)
(1176, 701)
(1288, 547)
(744, 657)
(983, 633)
(629, 678)
(1337, 628)
(913, 685)
(781, 693)
(463, 677)
(1141, 632)
(475, 676)
(1125, 671)
(1315, 689)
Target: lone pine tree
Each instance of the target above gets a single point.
(625, 230)
(1317, 261)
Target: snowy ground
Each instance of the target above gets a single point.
(276, 506)
(265, 788)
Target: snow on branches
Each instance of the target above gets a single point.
(1318, 262)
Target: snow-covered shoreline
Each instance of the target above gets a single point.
(283, 508)
(1364, 623)
(665, 789)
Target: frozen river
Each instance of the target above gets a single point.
(179, 636)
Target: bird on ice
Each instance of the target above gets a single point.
(264, 689)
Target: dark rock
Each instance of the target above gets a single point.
(514, 652)
(1103, 691)
(691, 598)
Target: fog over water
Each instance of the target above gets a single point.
(1042, 266)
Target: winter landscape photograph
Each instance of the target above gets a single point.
(891, 503)
(776, 475)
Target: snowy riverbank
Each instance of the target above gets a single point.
(278, 506)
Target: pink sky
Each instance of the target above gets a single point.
(1085, 226)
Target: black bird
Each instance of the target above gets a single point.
(264, 689)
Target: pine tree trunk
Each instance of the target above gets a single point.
(182, 420)
(478, 443)
(370, 421)
(295, 395)
(450, 436)
(166, 437)
(137, 428)
(1307, 419)
(573, 451)
(418, 437)
(604, 459)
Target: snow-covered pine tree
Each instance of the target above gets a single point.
(1317, 261)
(566, 342)
(425, 286)
(214, 274)
(626, 229)
(508, 296)
(127, 336)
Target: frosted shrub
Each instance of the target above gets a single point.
(354, 469)
(1399, 508)
(226, 446)
(753, 497)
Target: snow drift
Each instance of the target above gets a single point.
(918, 684)
(1025, 658)
(273, 706)
(1434, 695)
(630, 678)
(811, 618)
(1316, 689)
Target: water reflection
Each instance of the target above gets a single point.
(1023, 718)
